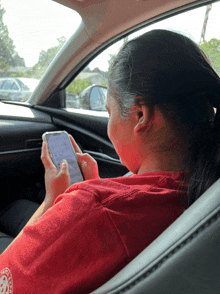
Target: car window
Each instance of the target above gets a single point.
(27, 84)
(201, 25)
(23, 86)
(1, 83)
(31, 37)
(14, 86)
(7, 85)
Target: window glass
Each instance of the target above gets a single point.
(1, 83)
(14, 87)
(201, 25)
(31, 34)
(7, 85)
(27, 84)
(94, 98)
(98, 98)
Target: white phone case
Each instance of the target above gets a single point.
(60, 148)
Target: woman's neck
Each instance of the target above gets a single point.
(163, 162)
(168, 153)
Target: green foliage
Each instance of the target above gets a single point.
(44, 60)
(6, 43)
(77, 86)
(18, 61)
(4, 67)
(19, 74)
(36, 71)
(9, 58)
(8, 55)
(104, 83)
(212, 51)
(46, 57)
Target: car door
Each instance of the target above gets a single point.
(22, 124)
(49, 109)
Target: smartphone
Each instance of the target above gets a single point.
(60, 147)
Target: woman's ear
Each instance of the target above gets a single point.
(143, 115)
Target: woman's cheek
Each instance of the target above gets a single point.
(108, 129)
(112, 132)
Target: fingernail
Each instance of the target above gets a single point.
(64, 161)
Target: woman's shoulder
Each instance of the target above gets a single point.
(112, 188)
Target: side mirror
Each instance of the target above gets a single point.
(98, 98)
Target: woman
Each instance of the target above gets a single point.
(160, 97)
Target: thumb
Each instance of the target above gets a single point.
(64, 174)
(64, 167)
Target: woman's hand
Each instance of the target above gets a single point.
(87, 163)
(56, 182)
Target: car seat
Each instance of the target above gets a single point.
(184, 259)
(13, 219)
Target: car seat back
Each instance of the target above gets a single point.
(184, 259)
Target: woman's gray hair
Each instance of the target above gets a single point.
(118, 84)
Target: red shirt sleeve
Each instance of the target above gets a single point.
(73, 248)
(91, 232)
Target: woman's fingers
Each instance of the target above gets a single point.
(64, 169)
(64, 175)
(75, 145)
(87, 163)
(45, 156)
(88, 166)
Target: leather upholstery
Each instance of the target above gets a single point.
(13, 219)
(5, 240)
(184, 259)
(15, 216)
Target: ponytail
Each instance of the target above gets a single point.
(204, 168)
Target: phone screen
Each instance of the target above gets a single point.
(61, 148)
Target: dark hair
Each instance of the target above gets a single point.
(169, 70)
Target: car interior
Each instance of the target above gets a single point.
(185, 258)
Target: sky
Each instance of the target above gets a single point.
(35, 25)
(190, 23)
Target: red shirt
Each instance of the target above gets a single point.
(91, 232)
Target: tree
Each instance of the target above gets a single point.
(8, 57)
(6, 43)
(44, 60)
(4, 67)
(18, 61)
(77, 86)
(87, 69)
(212, 51)
(46, 57)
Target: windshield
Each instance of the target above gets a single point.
(31, 34)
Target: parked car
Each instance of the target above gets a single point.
(185, 258)
(72, 101)
(17, 89)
